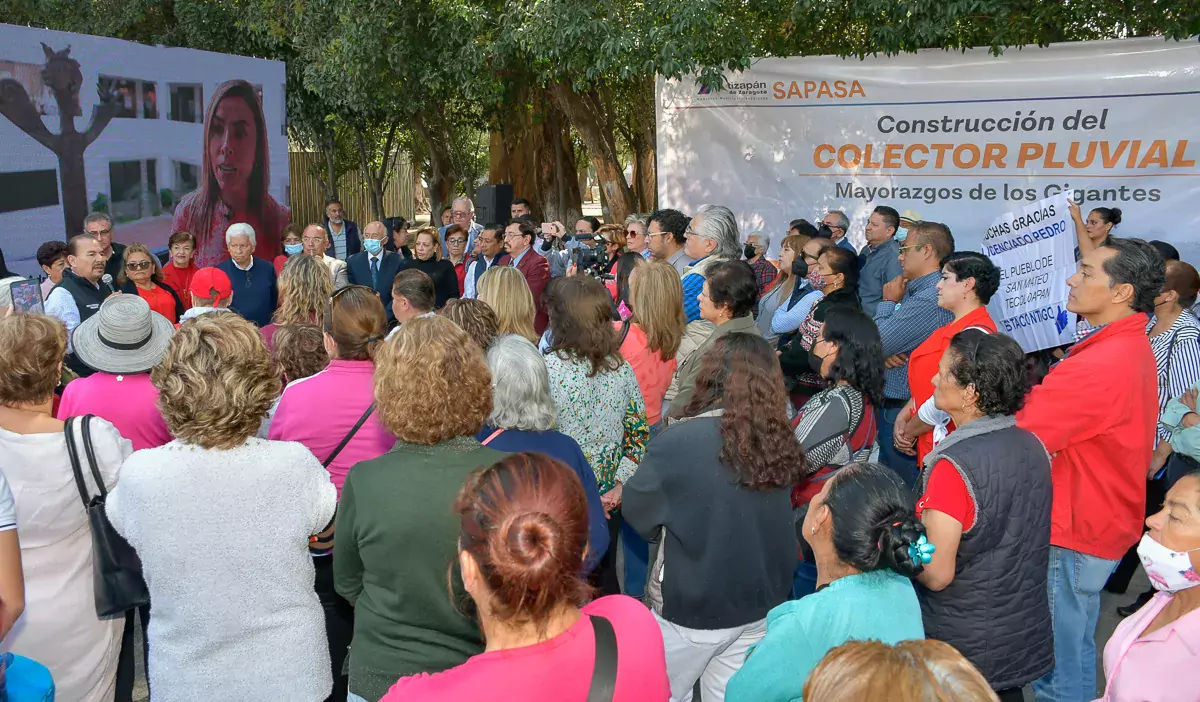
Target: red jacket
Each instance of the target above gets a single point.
(536, 270)
(923, 365)
(1095, 413)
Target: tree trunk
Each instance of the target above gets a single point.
(364, 166)
(531, 149)
(645, 177)
(602, 149)
(441, 180)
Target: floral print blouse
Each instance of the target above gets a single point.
(605, 414)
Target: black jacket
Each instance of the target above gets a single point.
(722, 554)
(358, 270)
(88, 299)
(794, 358)
(996, 612)
(353, 240)
(130, 288)
(115, 263)
(445, 279)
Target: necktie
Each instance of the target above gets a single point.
(374, 272)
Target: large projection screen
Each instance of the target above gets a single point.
(94, 124)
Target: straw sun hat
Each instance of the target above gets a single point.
(124, 336)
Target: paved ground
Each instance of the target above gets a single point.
(1108, 622)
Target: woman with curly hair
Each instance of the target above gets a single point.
(986, 505)
(222, 522)
(713, 498)
(304, 291)
(396, 532)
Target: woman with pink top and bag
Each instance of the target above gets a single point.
(332, 414)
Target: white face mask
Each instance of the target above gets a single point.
(1169, 571)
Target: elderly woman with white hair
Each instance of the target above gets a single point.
(523, 419)
(255, 289)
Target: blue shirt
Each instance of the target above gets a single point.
(518, 257)
(693, 285)
(878, 265)
(880, 605)
(562, 447)
(905, 325)
(255, 294)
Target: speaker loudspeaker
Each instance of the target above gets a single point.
(493, 203)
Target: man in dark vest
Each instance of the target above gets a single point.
(78, 296)
(491, 253)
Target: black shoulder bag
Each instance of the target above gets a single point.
(604, 674)
(320, 545)
(116, 568)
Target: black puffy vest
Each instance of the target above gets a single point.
(87, 298)
(997, 610)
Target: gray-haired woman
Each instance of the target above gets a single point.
(523, 419)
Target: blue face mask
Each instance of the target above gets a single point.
(372, 245)
(293, 249)
(901, 234)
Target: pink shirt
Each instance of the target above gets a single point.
(1159, 667)
(653, 374)
(558, 669)
(127, 401)
(318, 411)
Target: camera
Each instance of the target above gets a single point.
(592, 260)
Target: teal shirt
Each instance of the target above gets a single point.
(880, 605)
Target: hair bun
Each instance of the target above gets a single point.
(1115, 215)
(896, 540)
(530, 540)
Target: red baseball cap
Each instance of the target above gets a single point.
(211, 284)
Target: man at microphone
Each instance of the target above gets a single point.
(83, 287)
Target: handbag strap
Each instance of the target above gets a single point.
(604, 674)
(624, 332)
(349, 435)
(90, 453)
(73, 455)
(488, 440)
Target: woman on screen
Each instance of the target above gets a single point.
(235, 178)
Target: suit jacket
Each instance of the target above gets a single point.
(337, 269)
(115, 263)
(353, 240)
(536, 270)
(359, 269)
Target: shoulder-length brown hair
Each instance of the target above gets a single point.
(357, 323)
(785, 279)
(139, 248)
(432, 383)
(437, 240)
(741, 375)
(205, 204)
(656, 296)
(580, 310)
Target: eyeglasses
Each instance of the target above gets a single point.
(456, 240)
(810, 257)
(311, 240)
(914, 246)
(102, 232)
(139, 265)
(459, 213)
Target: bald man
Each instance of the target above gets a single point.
(375, 266)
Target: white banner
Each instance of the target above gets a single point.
(959, 138)
(1034, 248)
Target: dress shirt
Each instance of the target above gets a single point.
(904, 325)
(62, 306)
(878, 264)
(516, 261)
(680, 260)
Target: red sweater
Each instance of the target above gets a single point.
(1095, 413)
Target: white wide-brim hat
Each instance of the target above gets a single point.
(124, 336)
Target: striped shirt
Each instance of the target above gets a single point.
(1177, 356)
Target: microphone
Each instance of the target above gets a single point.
(107, 280)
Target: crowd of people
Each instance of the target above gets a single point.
(457, 464)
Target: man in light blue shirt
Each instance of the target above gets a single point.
(712, 237)
(906, 316)
(879, 261)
